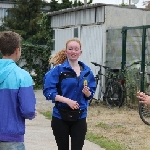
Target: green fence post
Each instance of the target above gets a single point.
(124, 36)
(143, 60)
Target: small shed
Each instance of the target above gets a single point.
(91, 23)
(99, 27)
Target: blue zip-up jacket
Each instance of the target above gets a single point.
(17, 101)
(71, 86)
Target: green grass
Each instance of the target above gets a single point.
(47, 114)
(105, 142)
(37, 87)
(102, 125)
(107, 126)
(97, 139)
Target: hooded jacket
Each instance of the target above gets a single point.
(70, 86)
(17, 101)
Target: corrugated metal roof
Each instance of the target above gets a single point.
(88, 7)
(84, 17)
(76, 9)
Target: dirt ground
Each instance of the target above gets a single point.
(121, 124)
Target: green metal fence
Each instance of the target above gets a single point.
(136, 46)
(114, 48)
(126, 46)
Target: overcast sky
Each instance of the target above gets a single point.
(139, 4)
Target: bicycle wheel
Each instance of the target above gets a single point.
(144, 112)
(96, 79)
(114, 94)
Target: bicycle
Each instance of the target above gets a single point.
(144, 110)
(113, 93)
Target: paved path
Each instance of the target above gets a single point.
(39, 134)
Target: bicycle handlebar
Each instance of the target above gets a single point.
(138, 62)
(134, 63)
(96, 64)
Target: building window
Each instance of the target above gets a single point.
(53, 34)
(5, 12)
(1, 13)
(76, 32)
(53, 40)
(53, 44)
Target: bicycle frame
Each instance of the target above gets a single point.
(110, 91)
(98, 79)
(114, 90)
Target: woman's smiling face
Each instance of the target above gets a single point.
(73, 50)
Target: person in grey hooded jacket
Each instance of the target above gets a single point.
(17, 98)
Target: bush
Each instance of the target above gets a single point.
(34, 59)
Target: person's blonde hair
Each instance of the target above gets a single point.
(74, 39)
(58, 58)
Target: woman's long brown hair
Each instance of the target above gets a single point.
(58, 58)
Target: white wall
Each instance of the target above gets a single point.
(61, 36)
(91, 38)
(92, 48)
(3, 10)
(117, 17)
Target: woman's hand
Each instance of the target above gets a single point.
(73, 104)
(86, 91)
(144, 99)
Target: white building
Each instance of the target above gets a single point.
(4, 5)
(3, 9)
(91, 24)
(99, 27)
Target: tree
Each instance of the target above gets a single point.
(147, 4)
(65, 4)
(54, 5)
(23, 18)
(90, 1)
(77, 3)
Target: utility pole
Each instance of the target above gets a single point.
(129, 2)
(85, 2)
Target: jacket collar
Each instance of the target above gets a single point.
(85, 68)
(67, 65)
